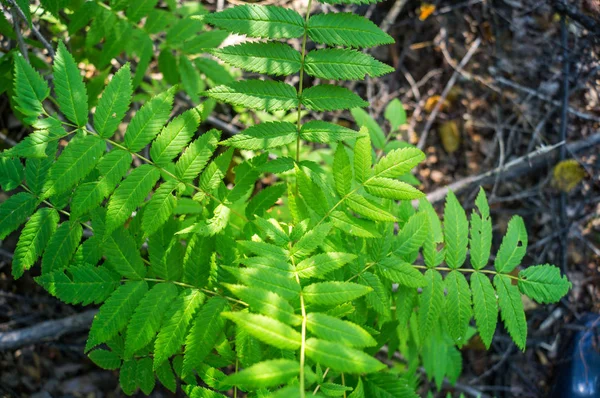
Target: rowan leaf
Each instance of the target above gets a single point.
(270, 22)
(265, 374)
(511, 309)
(271, 58)
(204, 334)
(346, 29)
(266, 329)
(68, 84)
(333, 293)
(114, 103)
(148, 316)
(130, 194)
(33, 240)
(513, 247)
(543, 283)
(485, 307)
(456, 232)
(115, 313)
(333, 329)
(264, 95)
(341, 358)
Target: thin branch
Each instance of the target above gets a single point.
(35, 30)
(447, 89)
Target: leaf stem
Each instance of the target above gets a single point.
(303, 343)
(203, 290)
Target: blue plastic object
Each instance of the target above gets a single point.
(579, 376)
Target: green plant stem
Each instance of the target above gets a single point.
(207, 291)
(301, 80)
(465, 270)
(303, 343)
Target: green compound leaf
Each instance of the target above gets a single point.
(310, 241)
(33, 240)
(70, 91)
(364, 207)
(412, 236)
(176, 324)
(77, 160)
(321, 264)
(30, 88)
(264, 200)
(267, 58)
(327, 97)
(196, 155)
(400, 272)
(115, 313)
(204, 334)
(392, 189)
(343, 64)
(264, 136)
(346, 29)
(341, 358)
(105, 359)
(114, 103)
(61, 247)
(457, 306)
(268, 279)
(159, 207)
(324, 132)
(112, 167)
(266, 329)
(363, 159)
(511, 309)
(270, 22)
(481, 232)
(342, 171)
(398, 162)
(431, 302)
(265, 374)
(333, 329)
(333, 293)
(265, 95)
(147, 318)
(513, 247)
(354, 226)
(122, 254)
(543, 283)
(83, 284)
(148, 121)
(485, 307)
(175, 136)
(130, 194)
(456, 232)
(267, 303)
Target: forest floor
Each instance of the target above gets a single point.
(484, 84)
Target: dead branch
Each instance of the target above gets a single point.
(518, 167)
(48, 330)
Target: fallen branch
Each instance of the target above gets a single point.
(518, 167)
(48, 330)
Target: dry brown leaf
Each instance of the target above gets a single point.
(567, 174)
(450, 136)
(432, 102)
(426, 10)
